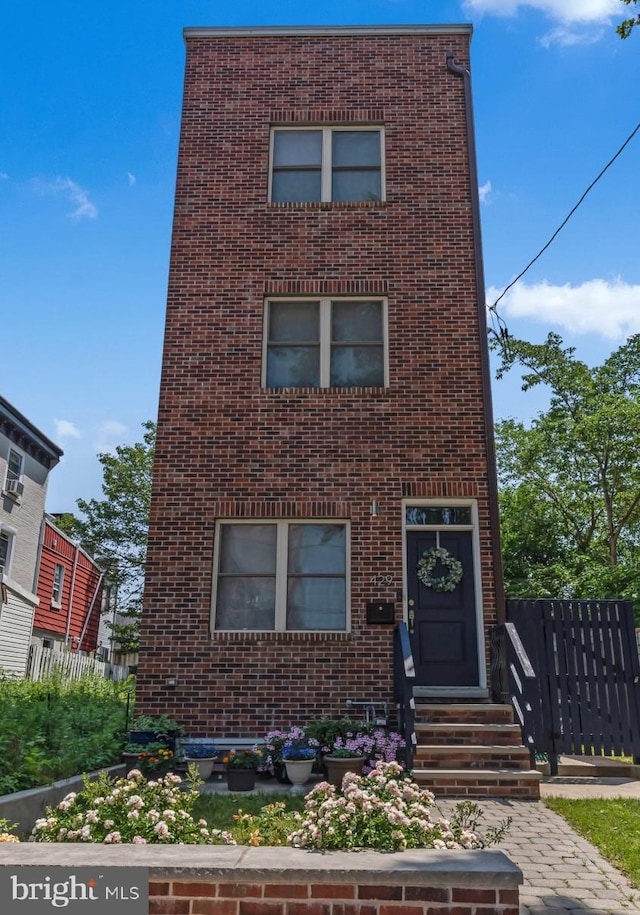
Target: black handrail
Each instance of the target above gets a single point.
(404, 675)
(515, 680)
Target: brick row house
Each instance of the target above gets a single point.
(324, 459)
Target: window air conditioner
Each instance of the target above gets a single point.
(14, 487)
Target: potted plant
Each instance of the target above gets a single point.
(153, 758)
(346, 755)
(202, 755)
(155, 728)
(298, 761)
(241, 768)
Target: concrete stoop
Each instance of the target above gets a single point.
(591, 767)
(472, 750)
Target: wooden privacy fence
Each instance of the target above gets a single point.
(71, 665)
(585, 696)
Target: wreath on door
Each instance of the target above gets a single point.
(441, 583)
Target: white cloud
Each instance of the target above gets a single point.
(485, 192)
(84, 208)
(109, 434)
(4, 176)
(609, 308)
(565, 11)
(66, 429)
(131, 178)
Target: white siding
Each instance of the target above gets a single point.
(16, 623)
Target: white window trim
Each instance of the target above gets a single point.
(57, 604)
(326, 168)
(325, 337)
(280, 621)
(10, 534)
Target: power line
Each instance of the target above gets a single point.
(492, 308)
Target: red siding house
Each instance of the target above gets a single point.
(70, 594)
(324, 460)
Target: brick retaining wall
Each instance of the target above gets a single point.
(231, 880)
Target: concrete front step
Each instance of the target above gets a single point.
(469, 783)
(458, 733)
(446, 756)
(466, 713)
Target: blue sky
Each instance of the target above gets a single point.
(90, 114)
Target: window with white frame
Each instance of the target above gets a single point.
(325, 343)
(6, 544)
(58, 580)
(14, 469)
(326, 164)
(282, 576)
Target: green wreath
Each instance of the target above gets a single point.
(428, 562)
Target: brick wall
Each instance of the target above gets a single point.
(236, 880)
(228, 448)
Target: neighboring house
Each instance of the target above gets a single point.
(324, 457)
(70, 593)
(26, 457)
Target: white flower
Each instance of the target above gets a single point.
(113, 838)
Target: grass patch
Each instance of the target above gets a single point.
(219, 809)
(612, 825)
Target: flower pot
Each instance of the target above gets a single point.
(241, 779)
(299, 772)
(338, 766)
(204, 764)
(280, 773)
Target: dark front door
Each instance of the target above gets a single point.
(443, 624)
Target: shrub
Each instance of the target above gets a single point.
(387, 811)
(131, 809)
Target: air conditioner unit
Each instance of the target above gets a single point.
(14, 488)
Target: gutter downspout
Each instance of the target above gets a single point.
(73, 582)
(494, 511)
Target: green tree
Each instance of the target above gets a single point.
(627, 25)
(114, 530)
(570, 481)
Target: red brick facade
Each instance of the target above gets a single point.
(227, 447)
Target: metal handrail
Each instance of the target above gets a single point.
(404, 674)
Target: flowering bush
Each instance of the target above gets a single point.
(386, 811)
(375, 746)
(242, 759)
(131, 809)
(5, 834)
(199, 750)
(281, 745)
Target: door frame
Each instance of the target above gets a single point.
(481, 688)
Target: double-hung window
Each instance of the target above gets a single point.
(6, 543)
(325, 343)
(12, 482)
(56, 590)
(281, 576)
(333, 164)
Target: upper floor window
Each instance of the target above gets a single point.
(281, 576)
(56, 591)
(6, 542)
(326, 164)
(325, 343)
(15, 465)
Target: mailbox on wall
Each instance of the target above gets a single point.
(380, 612)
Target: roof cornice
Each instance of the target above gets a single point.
(312, 31)
(26, 436)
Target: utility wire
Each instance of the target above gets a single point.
(492, 308)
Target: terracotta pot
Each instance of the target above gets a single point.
(338, 766)
(241, 779)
